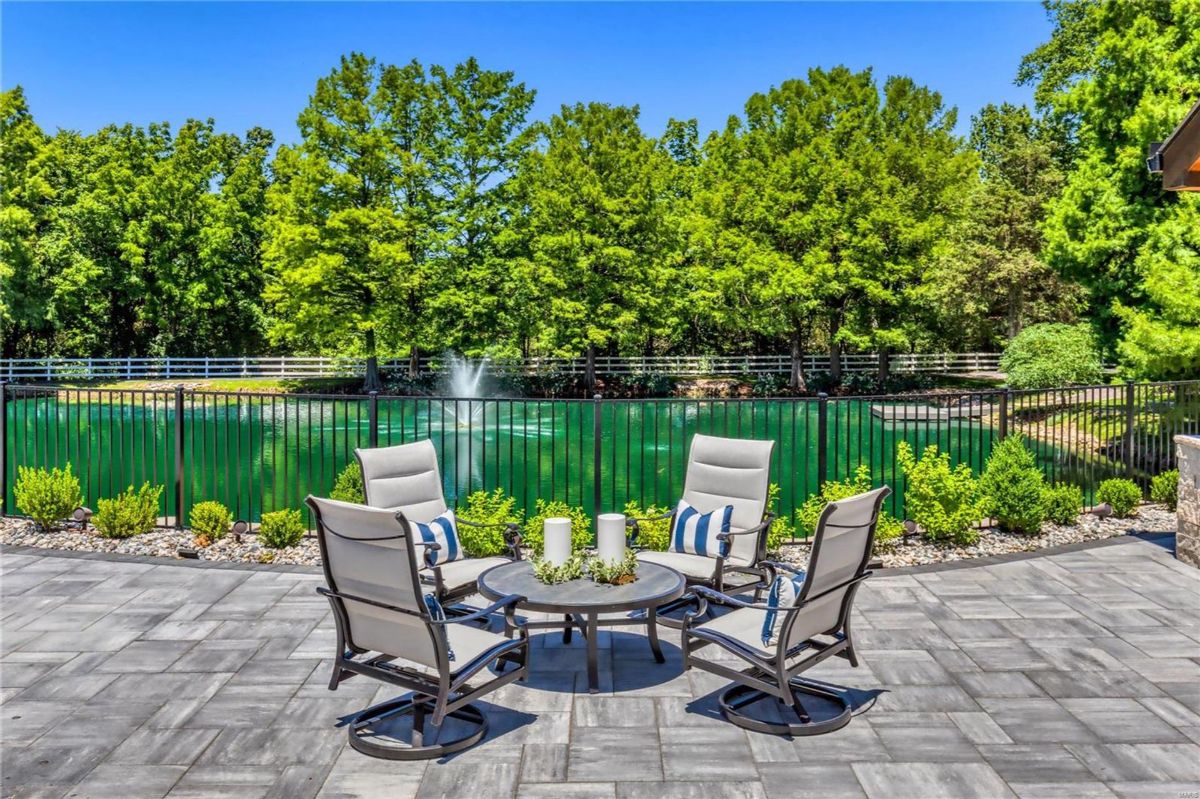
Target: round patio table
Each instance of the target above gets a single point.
(582, 601)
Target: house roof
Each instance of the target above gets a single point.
(1178, 156)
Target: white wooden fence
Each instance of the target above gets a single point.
(66, 369)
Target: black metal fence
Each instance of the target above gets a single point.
(259, 452)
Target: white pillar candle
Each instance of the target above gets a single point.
(557, 533)
(610, 537)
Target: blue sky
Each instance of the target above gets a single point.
(86, 65)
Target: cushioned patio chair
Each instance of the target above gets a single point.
(722, 473)
(389, 629)
(804, 620)
(406, 478)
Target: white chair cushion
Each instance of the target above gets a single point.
(442, 531)
(699, 567)
(458, 573)
(695, 533)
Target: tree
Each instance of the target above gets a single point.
(595, 191)
(26, 198)
(348, 223)
(1115, 77)
(481, 137)
(993, 281)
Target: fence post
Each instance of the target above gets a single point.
(596, 481)
(822, 439)
(373, 420)
(1129, 400)
(1004, 398)
(4, 448)
(179, 457)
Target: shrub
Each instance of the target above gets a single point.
(1123, 495)
(348, 487)
(1164, 488)
(1049, 355)
(129, 513)
(581, 526)
(887, 529)
(209, 522)
(1063, 503)
(783, 528)
(484, 507)
(1013, 487)
(281, 528)
(943, 500)
(652, 535)
(47, 495)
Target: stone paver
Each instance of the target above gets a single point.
(1071, 674)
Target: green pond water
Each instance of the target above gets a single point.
(260, 453)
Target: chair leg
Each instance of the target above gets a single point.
(568, 627)
(363, 738)
(735, 703)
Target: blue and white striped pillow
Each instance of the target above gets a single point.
(784, 590)
(442, 531)
(696, 533)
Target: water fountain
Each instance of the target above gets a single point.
(462, 382)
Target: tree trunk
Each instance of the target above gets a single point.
(835, 352)
(796, 379)
(372, 383)
(589, 376)
(885, 365)
(414, 362)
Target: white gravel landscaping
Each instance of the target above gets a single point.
(165, 542)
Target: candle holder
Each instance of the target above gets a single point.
(610, 538)
(556, 538)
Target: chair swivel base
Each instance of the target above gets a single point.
(365, 729)
(829, 712)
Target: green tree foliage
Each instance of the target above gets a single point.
(491, 508)
(993, 282)
(1048, 355)
(888, 528)
(1114, 77)
(945, 501)
(595, 188)
(348, 487)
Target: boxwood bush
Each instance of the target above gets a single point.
(1050, 355)
(1164, 488)
(1063, 503)
(887, 529)
(491, 508)
(348, 487)
(533, 536)
(1123, 495)
(47, 495)
(1013, 487)
(209, 522)
(281, 528)
(129, 513)
(943, 500)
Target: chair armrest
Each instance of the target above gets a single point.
(512, 534)
(431, 548)
(718, 598)
(787, 567)
(507, 603)
(635, 529)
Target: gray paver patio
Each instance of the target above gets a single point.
(1072, 674)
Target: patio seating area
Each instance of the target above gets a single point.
(1065, 674)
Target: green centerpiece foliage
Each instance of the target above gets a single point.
(129, 513)
(1013, 487)
(619, 573)
(1121, 494)
(47, 495)
(1164, 488)
(550, 574)
(943, 500)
